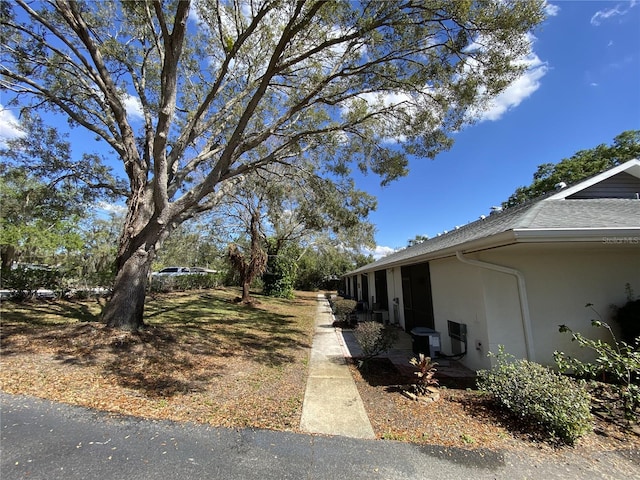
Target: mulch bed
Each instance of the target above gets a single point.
(465, 417)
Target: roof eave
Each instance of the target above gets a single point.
(630, 235)
(497, 240)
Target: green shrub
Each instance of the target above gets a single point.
(342, 307)
(166, 284)
(540, 397)
(374, 338)
(618, 363)
(161, 285)
(197, 282)
(280, 277)
(26, 281)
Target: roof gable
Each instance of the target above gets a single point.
(611, 177)
(622, 185)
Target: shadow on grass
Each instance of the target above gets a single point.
(189, 340)
(49, 312)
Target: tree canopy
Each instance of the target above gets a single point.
(582, 164)
(191, 96)
(44, 192)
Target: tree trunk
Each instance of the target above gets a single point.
(246, 296)
(8, 253)
(125, 310)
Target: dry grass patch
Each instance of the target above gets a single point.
(202, 358)
(207, 359)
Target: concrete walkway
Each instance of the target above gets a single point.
(332, 404)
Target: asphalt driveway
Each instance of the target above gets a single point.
(45, 440)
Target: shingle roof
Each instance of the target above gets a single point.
(587, 213)
(545, 212)
(491, 225)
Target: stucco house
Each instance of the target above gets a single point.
(512, 277)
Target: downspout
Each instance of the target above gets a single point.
(522, 294)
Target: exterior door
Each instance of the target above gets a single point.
(382, 297)
(365, 288)
(416, 296)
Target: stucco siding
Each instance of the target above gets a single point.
(503, 313)
(458, 296)
(560, 281)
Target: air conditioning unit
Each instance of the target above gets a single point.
(425, 340)
(458, 335)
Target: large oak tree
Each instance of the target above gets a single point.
(228, 87)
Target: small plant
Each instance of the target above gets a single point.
(468, 439)
(426, 375)
(539, 396)
(617, 363)
(374, 339)
(342, 308)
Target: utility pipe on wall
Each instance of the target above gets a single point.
(522, 294)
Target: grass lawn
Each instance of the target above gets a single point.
(202, 358)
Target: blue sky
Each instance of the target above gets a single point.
(582, 91)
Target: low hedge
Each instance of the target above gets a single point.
(542, 398)
(165, 284)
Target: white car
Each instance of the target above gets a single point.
(175, 271)
(201, 270)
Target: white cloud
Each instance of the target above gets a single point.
(403, 104)
(492, 109)
(194, 14)
(618, 10)
(107, 207)
(380, 251)
(518, 91)
(9, 126)
(133, 106)
(551, 10)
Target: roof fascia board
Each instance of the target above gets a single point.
(497, 240)
(577, 235)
